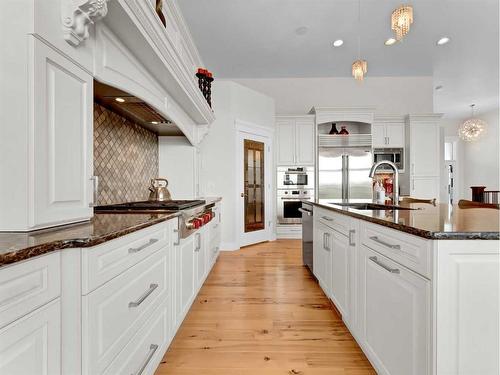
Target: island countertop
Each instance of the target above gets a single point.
(439, 222)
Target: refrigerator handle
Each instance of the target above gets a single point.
(345, 176)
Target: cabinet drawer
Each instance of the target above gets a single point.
(410, 251)
(113, 313)
(103, 262)
(338, 222)
(145, 350)
(28, 285)
(32, 344)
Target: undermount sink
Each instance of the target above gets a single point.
(372, 206)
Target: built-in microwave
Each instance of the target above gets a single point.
(396, 155)
(295, 178)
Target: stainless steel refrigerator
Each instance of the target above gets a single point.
(343, 172)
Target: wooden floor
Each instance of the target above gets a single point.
(261, 313)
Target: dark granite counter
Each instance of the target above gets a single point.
(440, 222)
(15, 247)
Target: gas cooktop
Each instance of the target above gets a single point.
(172, 205)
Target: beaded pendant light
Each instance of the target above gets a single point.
(472, 129)
(359, 67)
(401, 20)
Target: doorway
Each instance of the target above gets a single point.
(451, 173)
(254, 165)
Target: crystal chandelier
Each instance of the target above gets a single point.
(359, 69)
(401, 20)
(472, 129)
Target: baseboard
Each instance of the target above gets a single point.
(289, 231)
(229, 246)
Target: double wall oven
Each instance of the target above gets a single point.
(295, 185)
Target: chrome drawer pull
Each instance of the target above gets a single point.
(141, 299)
(376, 261)
(327, 218)
(177, 243)
(390, 246)
(352, 232)
(151, 353)
(133, 250)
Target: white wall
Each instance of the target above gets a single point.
(389, 95)
(478, 162)
(217, 152)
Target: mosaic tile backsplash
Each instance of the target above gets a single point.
(125, 157)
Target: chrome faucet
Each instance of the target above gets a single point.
(395, 182)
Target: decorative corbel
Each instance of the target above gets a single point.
(79, 15)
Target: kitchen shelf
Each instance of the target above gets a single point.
(351, 140)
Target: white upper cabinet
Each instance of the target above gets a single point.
(424, 141)
(295, 140)
(62, 139)
(388, 132)
(304, 141)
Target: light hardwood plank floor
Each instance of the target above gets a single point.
(261, 312)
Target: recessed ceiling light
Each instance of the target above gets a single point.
(390, 41)
(338, 43)
(301, 30)
(443, 41)
(120, 100)
(155, 122)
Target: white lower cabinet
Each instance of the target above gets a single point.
(185, 277)
(32, 344)
(322, 243)
(340, 272)
(144, 352)
(395, 315)
(113, 313)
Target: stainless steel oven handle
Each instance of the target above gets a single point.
(307, 212)
(379, 263)
(133, 250)
(151, 353)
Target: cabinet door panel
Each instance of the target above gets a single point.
(424, 149)
(305, 142)
(62, 139)
(340, 272)
(286, 142)
(425, 187)
(32, 345)
(395, 134)
(395, 313)
(378, 135)
(185, 285)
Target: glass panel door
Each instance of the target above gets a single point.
(254, 186)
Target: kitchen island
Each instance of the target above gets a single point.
(396, 275)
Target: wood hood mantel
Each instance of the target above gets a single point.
(134, 52)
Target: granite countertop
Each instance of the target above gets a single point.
(15, 247)
(18, 246)
(440, 222)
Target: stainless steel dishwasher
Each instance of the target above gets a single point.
(307, 234)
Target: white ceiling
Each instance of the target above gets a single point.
(259, 39)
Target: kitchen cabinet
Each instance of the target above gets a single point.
(340, 272)
(295, 140)
(424, 144)
(185, 277)
(322, 256)
(395, 315)
(388, 132)
(32, 344)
